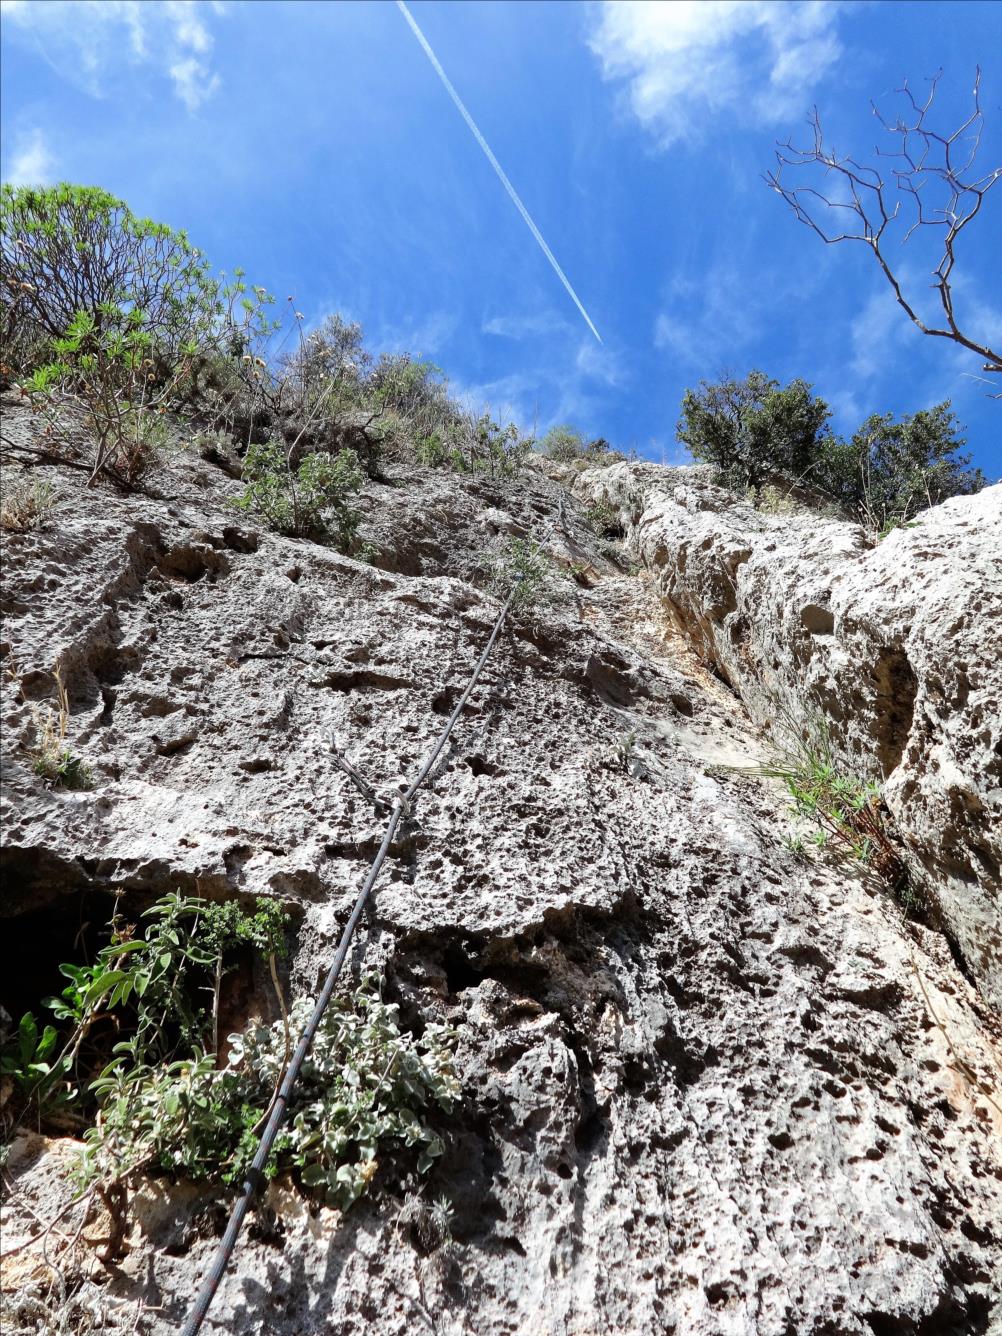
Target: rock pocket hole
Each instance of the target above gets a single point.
(817, 620)
(897, 688)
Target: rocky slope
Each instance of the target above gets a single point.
(894, 645)
(709, 1087)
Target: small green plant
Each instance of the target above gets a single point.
(891, 525)
(520, 568)
(431, 451)
(53, 760)
(27, 1059)
(577, 572)
(847, 812)
(25, 505)
(773, 500)
(622, 753)
(604, 519)
(311, 501)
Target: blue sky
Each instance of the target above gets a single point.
(313, 144)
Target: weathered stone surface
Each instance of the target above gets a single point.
(708, 1088)
(896, 645)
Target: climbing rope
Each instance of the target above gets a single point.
(399, 807)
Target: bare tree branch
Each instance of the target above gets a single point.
(930, 182)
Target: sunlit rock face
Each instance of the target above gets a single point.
(710, 1086)
(894, 645)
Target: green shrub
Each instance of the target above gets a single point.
(106, 366)
(566, 445)
(519, 565)
(484, 446)
(431, 450)
(604, 519)
(161, 1098)
(25, 505)
(753, 429)
(889, 471)
(758, 434)
(118, 313)
(846, 811)
(331, 360)
(415, 390)
(67, 250)
(311, 501)
(773, 500)
(359, 1098)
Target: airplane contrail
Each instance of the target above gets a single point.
(513, 194)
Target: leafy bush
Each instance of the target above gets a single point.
(113, 313)
(889, 471)
(758, 434)
(566, 445)
(311, 501)
(415, 390)
(67, 250)
(520, 566)
(489, 448)
(107, 370)
(330, 360)
(753, 429)
(476, 446)
(164, 1102)
(359, 1096)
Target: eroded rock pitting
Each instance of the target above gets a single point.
(709, 1087)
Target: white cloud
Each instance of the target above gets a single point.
(710, 320)
(880, 326)
(600, 364)
(685, 61)
(525, 326)
(192, 82)
(32, 163)
(92, 43)
(573, 389)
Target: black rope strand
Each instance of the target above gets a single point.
(400, 806)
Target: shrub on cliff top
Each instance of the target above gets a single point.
(758, 433)
(566, 445)
(889, 471)
(67, 250)
(753, 429)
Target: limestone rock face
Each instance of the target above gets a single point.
(709, 1087)
(896, 645)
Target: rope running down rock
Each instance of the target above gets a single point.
(400, 806)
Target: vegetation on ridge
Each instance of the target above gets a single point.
(759, 434)
(122, 318)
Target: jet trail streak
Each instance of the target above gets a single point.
(513, 194)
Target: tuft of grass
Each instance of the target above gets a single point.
(772, 500)
(54, 761)
(25, 506)
(847, 812)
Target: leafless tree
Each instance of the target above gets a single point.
(929, 183)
